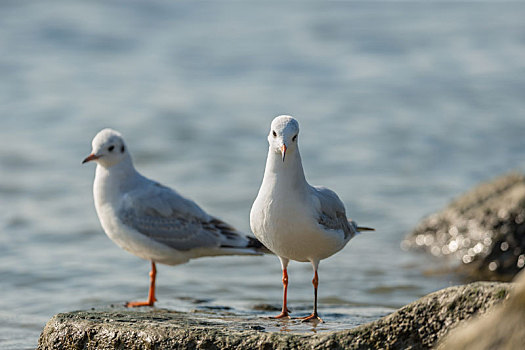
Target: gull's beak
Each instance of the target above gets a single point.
(91, 157)
(283, 151)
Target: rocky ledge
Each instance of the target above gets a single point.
(501, 328)
(419, 325)
(483, 230)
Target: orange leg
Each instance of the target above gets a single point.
(285, 311)
(314, 315)
(151, 295)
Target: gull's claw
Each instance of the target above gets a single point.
(312, 318)
(281, 315)
(139, 303)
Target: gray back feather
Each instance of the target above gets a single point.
(332, 214)
(165, 216)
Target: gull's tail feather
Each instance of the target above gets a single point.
(254, 246)
(360, 229)
(257, 245)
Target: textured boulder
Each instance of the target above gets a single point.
(483, 230)
(502, 328)
(418, 325)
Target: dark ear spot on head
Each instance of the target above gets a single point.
(122, 149)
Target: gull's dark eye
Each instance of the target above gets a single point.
(274, 133)
(122, 149)
(111, 148)
(294, 138)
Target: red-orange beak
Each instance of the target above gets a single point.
(90, 158)
(283, 151)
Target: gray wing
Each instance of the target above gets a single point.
(165, 216)
(332, 213)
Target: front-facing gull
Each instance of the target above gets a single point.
(152, 221)
(294, 220)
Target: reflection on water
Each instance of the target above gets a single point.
(402, 107)
(335, 319)
(288, 326)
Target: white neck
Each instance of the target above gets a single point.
(289, 173)
(111, 181)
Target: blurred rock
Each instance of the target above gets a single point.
(266, 307)
(418, 325)
(483, 230)
(501, 328)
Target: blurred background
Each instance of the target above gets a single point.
(402, 107)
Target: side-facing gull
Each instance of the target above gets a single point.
(294, 220)
(153, 221)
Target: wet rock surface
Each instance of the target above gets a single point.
(483, 230)
(418, 325)
(501, 328)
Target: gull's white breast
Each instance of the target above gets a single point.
(286, 223)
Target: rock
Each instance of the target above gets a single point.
(501, 328)
(266, 307)
(483, 230)
(418, 325)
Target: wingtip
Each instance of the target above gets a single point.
(258, 246)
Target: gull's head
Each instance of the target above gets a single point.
(283, 135)
(108, 148)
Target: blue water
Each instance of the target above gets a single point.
(402, 107)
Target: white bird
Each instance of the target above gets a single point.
(152, 221)
(294, 220)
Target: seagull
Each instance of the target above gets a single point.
(153, 221)
(292, 219)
